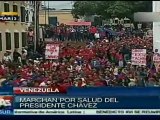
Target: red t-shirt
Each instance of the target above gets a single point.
(2, 71)
(93, 30)
(119, 56)
(99, 83)
(24, 73)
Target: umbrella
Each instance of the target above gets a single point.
(111, 32)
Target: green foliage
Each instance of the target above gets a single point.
(84, 8)
(108, 9)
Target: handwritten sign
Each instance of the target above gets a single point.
(52, 51)
(156, 58)
(138, 57)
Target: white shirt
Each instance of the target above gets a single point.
(76, 84)
(105, 40)
(96, 35)
(25, 51)
(7, 58)
(115, 71)
(43, 84)
(20, 59)
(24, 55)
(78, 68)
(83, 82)
(117, 38)
(73, 30)
(55, 64)
(2, 66)
(70, 68)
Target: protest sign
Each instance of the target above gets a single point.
(52, 51)
(156, 60)
(138, 57)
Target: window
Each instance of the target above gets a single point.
(116, 21)
(24, 39)
(23, 14)
(27, 16)
(32, 2)
(33, 18)
(15, 8)
(6, 7)
(8, 41)
(126, 21)
(0, 42)
(16, 40)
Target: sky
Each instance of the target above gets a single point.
(59, 4)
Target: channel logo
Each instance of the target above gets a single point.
(6, 107)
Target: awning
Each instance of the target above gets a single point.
(79, 23)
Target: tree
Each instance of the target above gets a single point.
(108, 9)
(83, 8)
(119, 9)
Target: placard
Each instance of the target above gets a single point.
(138, 57)
(52, 51)
(156, 60)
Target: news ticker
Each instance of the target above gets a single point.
(78, 105)
(87, 112)
(79, 101)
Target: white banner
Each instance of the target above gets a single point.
(156, 58)
(52, 51)
(138, 57)
(87, 112)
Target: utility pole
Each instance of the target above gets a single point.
(48, 12)
(36, 25)
(45, 12)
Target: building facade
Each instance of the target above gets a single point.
(156, 27)
(63, 16)
(29, 12)
(13, 33)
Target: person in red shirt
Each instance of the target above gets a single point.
(92, 31)
(24, 72)
(119, 57)
(2, 72)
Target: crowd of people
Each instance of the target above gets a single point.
(81, 33)
(98, 62)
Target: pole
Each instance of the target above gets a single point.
(45, 12)
(35, 26)
(48, 12)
